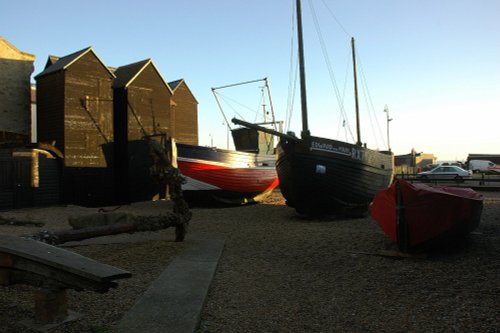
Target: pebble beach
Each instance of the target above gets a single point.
(282, 273)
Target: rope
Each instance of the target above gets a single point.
(366, 92)
(330, 68)
(336, 20)
(292, 73)
(226, 99)
(371, 107)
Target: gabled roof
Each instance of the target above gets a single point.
(125, 75)
(55, 64)
(51, 61)
(175, 84)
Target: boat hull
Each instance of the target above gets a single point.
(320, 175)
(424, 213)
(225, 176)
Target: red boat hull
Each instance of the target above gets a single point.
(424, 212)
(229, 177)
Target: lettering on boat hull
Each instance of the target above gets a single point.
(352, 152)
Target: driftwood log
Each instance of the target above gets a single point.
(129, 225)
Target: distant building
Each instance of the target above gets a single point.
(16, 68)
(33, 114)
(413, 162)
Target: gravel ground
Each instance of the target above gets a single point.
(281, 273)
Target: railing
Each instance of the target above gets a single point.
(476, 180)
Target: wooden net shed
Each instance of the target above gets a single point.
(75, 113)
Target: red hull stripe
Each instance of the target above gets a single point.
(258, 179)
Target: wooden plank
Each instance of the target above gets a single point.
(60, 259)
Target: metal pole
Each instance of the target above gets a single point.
(271, 104)
(220, 108)
(303, 98)
(386, 110)
(238, 84)
(358, 129)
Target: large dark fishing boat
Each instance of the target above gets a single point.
(319, 175)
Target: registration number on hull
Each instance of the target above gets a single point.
(352, 152)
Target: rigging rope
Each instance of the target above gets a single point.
(371, 107)
(336, 20)
(366, 92)
(292, 73)
(226, 99)
(342, 120)
(330, 68)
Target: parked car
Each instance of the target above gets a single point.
(483, 166)
(445, 172)
(429, 167)
(457, 163)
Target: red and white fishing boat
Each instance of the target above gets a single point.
(413, 214)
(225, 176)
(244, 175)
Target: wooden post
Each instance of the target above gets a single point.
(51, 306)
(5, 261)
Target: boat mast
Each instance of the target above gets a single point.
(303, 97)
(358, 130)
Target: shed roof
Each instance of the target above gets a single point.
(125, 75)
(50, 61)
(55, 63)
(175, 84)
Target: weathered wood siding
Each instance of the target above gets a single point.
(48, 191)
(75, 110)
(88, 106)
(148, 105)
(6, 180)
(28, 177)
(184, 116)
(50, 109)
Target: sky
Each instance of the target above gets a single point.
(434, 65)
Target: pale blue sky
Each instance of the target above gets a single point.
(435, 64)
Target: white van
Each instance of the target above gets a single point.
(482, 166)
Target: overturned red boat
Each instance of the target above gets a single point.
(413, 214)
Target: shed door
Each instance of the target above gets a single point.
(23, 192)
